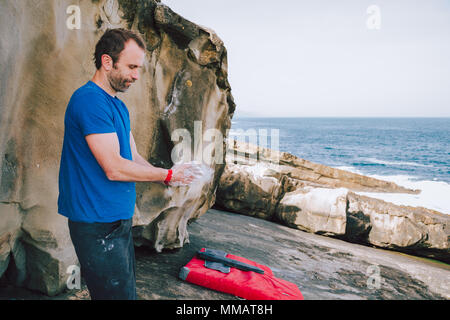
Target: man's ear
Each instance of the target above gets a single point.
(107, 62)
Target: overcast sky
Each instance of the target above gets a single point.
(328, 58)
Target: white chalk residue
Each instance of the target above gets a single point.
(205, 176)
(434, 195)
(174, 103)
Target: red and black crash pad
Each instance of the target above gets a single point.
(249, 285)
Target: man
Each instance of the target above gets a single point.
(99, 168)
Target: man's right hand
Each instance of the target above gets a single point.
(185, 173)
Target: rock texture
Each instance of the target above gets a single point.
(317, 210)
(319, 199)
(42, 62)
(322, 267)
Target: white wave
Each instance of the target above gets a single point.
(434, 194)
(396, 163)
(350, 169)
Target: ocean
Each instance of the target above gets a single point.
(412, 152)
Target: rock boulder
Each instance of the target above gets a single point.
(46, 54)
(317, 210)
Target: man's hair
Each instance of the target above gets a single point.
(113, 42)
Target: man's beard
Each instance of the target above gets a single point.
(118, 82)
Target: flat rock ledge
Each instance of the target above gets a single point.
(323, 268)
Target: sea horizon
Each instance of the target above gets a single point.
(413, 152)
(343, 117)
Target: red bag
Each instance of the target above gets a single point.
(245, 284)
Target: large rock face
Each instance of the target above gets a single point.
(323, 200)
(317, 210)
(413, 229)
(247, 191)
(44, 57)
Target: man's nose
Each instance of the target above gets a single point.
(135, 75)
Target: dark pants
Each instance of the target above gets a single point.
(106, 255)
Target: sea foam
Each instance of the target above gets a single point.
(396, 163)
(434, 195)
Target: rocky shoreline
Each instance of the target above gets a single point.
(281, 187)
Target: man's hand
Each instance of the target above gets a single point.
(184, 174)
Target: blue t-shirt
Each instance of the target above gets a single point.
(85, 192)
